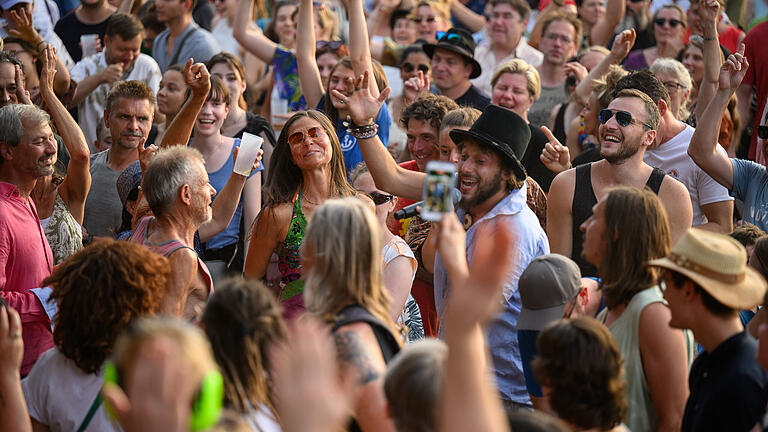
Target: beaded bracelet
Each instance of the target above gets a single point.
(361, 132)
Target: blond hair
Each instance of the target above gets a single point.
(517, 66)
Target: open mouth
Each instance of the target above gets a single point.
(611, 138)
(467, 183)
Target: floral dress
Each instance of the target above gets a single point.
(289, 263)
(63, 232)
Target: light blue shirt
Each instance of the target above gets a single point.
(530, 241)
(750, 184)
(200, 45)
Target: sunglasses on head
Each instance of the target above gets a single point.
(672, 22)
(331, 45)
(380, 198)
(408, 67)
(447, 37)
(298, 137)
(623, 118)
(762, 132)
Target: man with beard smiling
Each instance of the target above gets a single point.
(492, 183)
(128, 114)
(628, 127)
(27, 152)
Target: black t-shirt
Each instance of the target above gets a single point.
(474, 98)
(69, 29)
(532, 162)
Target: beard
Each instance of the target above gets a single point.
(626, 151)
(485, 190)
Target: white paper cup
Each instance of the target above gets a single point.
(89, 43)
(250, 145)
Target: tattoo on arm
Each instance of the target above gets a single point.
(350, 350)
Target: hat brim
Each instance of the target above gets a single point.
(537, 319)
(476, 68)
(743, 295)
(459, 135)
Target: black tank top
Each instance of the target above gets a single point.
(583, 200)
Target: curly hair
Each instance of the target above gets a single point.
(579, 360)
(100, 290)
(429, 107)
(242, 321)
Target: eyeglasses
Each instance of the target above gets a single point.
(298, 137)
(331, 45)
(447, 37)
(672, 86)
(408, 67)
(636, 1)
(672, 22)
(571, 305)
(762, 132)
(554, 37)
(380, 198)
(428, 19)
(623, 118)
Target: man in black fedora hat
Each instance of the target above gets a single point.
(453, 65)
(492, 184)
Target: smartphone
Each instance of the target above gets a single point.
(438, 190)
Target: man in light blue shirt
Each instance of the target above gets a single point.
(183, 39)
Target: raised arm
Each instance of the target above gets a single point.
(703, 147)
(709, 12)
(378, 19)
(74, 189)
(309, 74)
(251, 38)
(387, 175)
(621, 47)
(474, 21)
(359, 44)
(199, 81)
(25, 31)
(604, 28)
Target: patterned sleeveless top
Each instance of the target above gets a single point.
(289, 263)
(63, 232)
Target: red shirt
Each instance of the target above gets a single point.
(25, 260)
(399, 227)
(757, 74)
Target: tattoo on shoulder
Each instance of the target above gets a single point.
(350, 350)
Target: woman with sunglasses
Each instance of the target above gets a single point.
(327, 56)
(306, 169)
(412, 61)
(399, 261)
(668, 31)
(317, 93)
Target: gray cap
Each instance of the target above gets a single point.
(546, 286)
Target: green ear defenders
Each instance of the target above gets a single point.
(206, 407)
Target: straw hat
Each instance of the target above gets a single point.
(718, 264)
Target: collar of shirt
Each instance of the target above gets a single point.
(11, 192)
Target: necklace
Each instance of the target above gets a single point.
(468, 221)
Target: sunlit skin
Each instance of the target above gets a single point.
(422, 142)
(31, 79)
(404, 32)
(427, 30)
(211, 117)
(558, 43)
(693, 60)
(666, 33)
(169, 10)
(449, 69)
(310, 153)
(619, 142)
(589, 115)
(677, 95)
(480, 179)
(325, 63)
(506, 26)
(119, 50)
(593, 249)
(415, 59)
(130, 121)
(232, 79)
(511, 91)
(591, 11)
(285, 26)
(7, 84)
(336, 82)
(448, 151)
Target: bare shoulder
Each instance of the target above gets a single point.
(357, 349)
(562, 187)
(183, 256)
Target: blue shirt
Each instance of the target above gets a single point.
(526, 339)
(218, 179)
(750, 184)
(530, 242)
(349, 146)
(200, 45)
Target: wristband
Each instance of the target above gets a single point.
(709, 38)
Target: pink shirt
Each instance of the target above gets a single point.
(25, 260)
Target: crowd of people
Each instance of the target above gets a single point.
(604, 268)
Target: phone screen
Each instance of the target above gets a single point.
(437, 193)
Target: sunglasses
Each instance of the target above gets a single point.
(408, 67)
(298, 137)
(762, 132)
(380, 198)
(447, 37)
(429, 19)
(672, 22)
(623, 118)
(331, 45)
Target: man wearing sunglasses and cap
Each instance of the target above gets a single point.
(453, 65)
(628, 127)
(491, 180)
(707, 281)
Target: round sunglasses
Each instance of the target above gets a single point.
(298, 137)
(672, 22)
(409, 67)
(623, 118)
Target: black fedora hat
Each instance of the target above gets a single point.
(459, 41)
(504, 131)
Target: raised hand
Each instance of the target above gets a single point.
(733, 70)
(555, 156)
(197, 78)
(112, 73)
(577, 69)
(146, 155)
(24, 29)
(363, 107)
(48, 72)
(415, 87)
(622, 45)
(709, 12)
(256, 163)
(22, 95)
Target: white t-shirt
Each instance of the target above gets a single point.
(59, 394)
(91, 109)
(672, 157)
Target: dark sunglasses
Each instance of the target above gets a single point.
(331, 45)
(298, 137)
(636, 1)
(762, 132)
(672, 22)
(380, 198)
(408, 67)
(623, 118)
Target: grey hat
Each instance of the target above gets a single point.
(546, 286)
